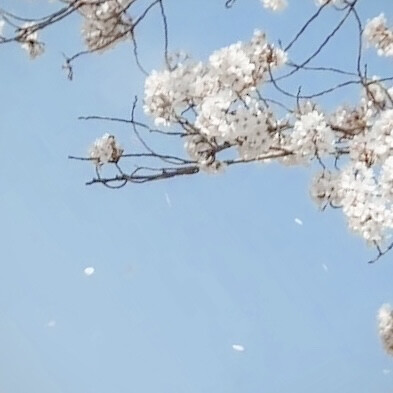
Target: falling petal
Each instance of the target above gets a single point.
(51, 323)
(298, 221)
(89, 271)
(168, 201)
(238, 347)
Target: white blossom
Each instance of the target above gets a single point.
(212, 117)
(365, 208)
(231, 72)
(311, 136)
(201, 150)
(386, 179)
(243, 66)
(324, 189)
(168, 93)
(29, 40)
(275, 5)
(104, 150)
(374, 144)
(377, 94)
(350, 120)
(251, 128)
(233, 67)
(105, 23)
(385, 327)
(379, 35)
(382, 131)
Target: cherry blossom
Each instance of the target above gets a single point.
(105, 23)
(104, 150)
(385, 327)
(379, 35)
(29, 40)
(275, 5)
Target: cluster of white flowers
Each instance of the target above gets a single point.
(219, 107)
(362, 197)
(105, 23)
(104, 150)
(365, 195)
(202, 151)
(324, 189)
(218, 95)
(377, 95)
(251, 125)
(311, 136)
(349, 120)
(386, 180)
(168, 93)
(231, 72)
(385, 327)
(222, 111)
(364, 188)
(275, 5)
(379, 35)
(362, 202)
(29, 40)
(374, 145)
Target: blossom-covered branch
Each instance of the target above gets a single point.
(105, 23)
(237, 108)
(222, 114)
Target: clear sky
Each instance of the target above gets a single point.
(176, 284)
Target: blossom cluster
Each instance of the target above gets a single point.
(219, 107)
(225, 111)
(311, 136)
(104, 150)
(226, 120)
(29, 40)
(363, 188)
(385, 327)
(275, 5)
(105, 23)
(379, 35)
(362, 198)
(218, 95)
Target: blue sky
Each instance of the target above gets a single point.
(175, 284)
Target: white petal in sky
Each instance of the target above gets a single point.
(386, 371)
(325, 267)
(298, 221)
(51, 323)
(89, 271)
(168, 201)
(238, 347)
